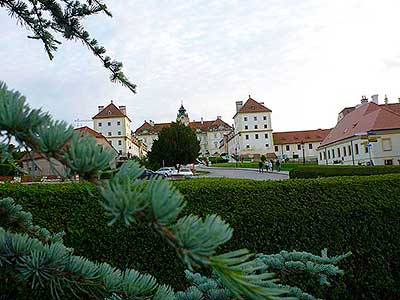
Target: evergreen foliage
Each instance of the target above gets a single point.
(33, 261)
(46, 19)
(175, 145)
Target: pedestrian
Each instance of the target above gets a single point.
(269, 166)
(266, 165)
(272, 165)
(260, 167)
(278, 165)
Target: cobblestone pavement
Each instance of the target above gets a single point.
(243, 173)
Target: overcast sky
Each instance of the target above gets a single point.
(305, 59)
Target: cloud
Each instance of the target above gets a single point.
(305, 59)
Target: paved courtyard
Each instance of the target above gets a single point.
(243, 173)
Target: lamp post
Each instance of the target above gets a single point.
(302, 147)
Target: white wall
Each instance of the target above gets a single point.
(251, 131)
(379, 151)
(282, 152)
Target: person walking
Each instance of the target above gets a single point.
(260, 167)
(278, 165)
(272, 165)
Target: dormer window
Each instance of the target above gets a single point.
(109, 112)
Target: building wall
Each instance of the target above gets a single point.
(119, 134)
(254, 133)
(386, 148)
(295, 151)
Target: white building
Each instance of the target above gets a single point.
(209, 133)
(299, 145)
(112, 122)
(365, 134)
(252, 136)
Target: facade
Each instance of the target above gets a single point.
(365, 134)
(299, 145)
(209, 133)
(252, 135)
(41, 166)
(113, 123)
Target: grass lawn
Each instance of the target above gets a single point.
(284, 166)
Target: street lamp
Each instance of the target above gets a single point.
(304, 158)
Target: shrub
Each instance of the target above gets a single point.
(330, 171)
(359, 214)
(216, 160)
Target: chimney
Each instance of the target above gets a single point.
(219, 117)
(364, 100)
(151, 122)
(262, 103)
(386, 100)
(202, 121)
(122, 109)
(101, 107)
(239, 105)
(374, 98)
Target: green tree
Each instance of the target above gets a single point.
(176, 145)
(46, 19)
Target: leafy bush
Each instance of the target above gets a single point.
(359, 214)
(216, 160)
(316, 171)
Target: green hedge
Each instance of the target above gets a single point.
(360, 214)
(330, 171)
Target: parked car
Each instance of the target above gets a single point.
(147, 174)
(167, 171)
(185, 172)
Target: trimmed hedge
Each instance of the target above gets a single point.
(360, 214)
(330, 171)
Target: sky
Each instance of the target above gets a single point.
(305, 59)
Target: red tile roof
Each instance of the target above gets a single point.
(298, 137)
(84, 129)
(200, 125)
(110, 111)
(252, 106)
(392, 106)
(365, 118)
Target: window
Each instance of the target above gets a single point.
(118, 123)
(245, 119)
(298, 147)
(356, 148)
(276, 149)
(256, 136)
(287, 147)
(109, 123)
(247, 136)
(329, 154)
(324, 153)
(333, 153)
(110, 142)
(265, 126)
(310, 146)
(349, 147)
(264, 118)
(338, 152)
(387, 144)
(366, 148)
(320, 156)
(99, 124)
(119, 142)
(266, 145)
(109, 133)
(215, 144)
(255, 126)
(388, 162)
(247, 146)
(119, 132)
(246, 127)
(266, 135)
(120, 152)
(255, 118)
